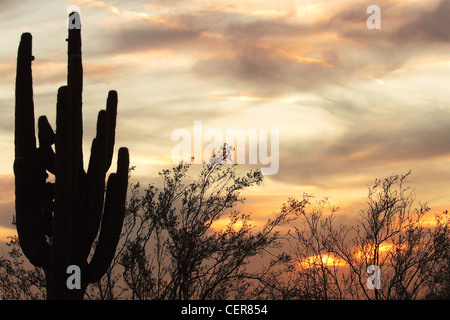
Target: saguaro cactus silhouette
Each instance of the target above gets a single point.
(58, 222)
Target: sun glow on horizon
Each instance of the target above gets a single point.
(317, 261)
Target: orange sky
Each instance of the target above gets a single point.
(351, 104)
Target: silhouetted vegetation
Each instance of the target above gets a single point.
(172, 247)
(328, 260)
(58, 222)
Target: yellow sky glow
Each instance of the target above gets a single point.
(318, 260)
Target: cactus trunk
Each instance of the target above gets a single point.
(58, 223)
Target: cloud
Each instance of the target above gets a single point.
(143, 36)
(405, 26)
(374, 143)
(266, 51)
(430, 25)
(265, 72)
(270, 55)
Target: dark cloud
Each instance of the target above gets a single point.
(145, 35)
(431, 25)
(265, 72)
(278, 28)
(404, 26)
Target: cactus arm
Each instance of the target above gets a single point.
(25, 140)
(99, 163)
(111, 107)
(96, 180)
(112, 221)
(29, 175)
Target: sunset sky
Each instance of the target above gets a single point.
(351, 104)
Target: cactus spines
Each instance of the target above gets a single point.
(57, 223)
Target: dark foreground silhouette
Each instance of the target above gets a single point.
(58, 222)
